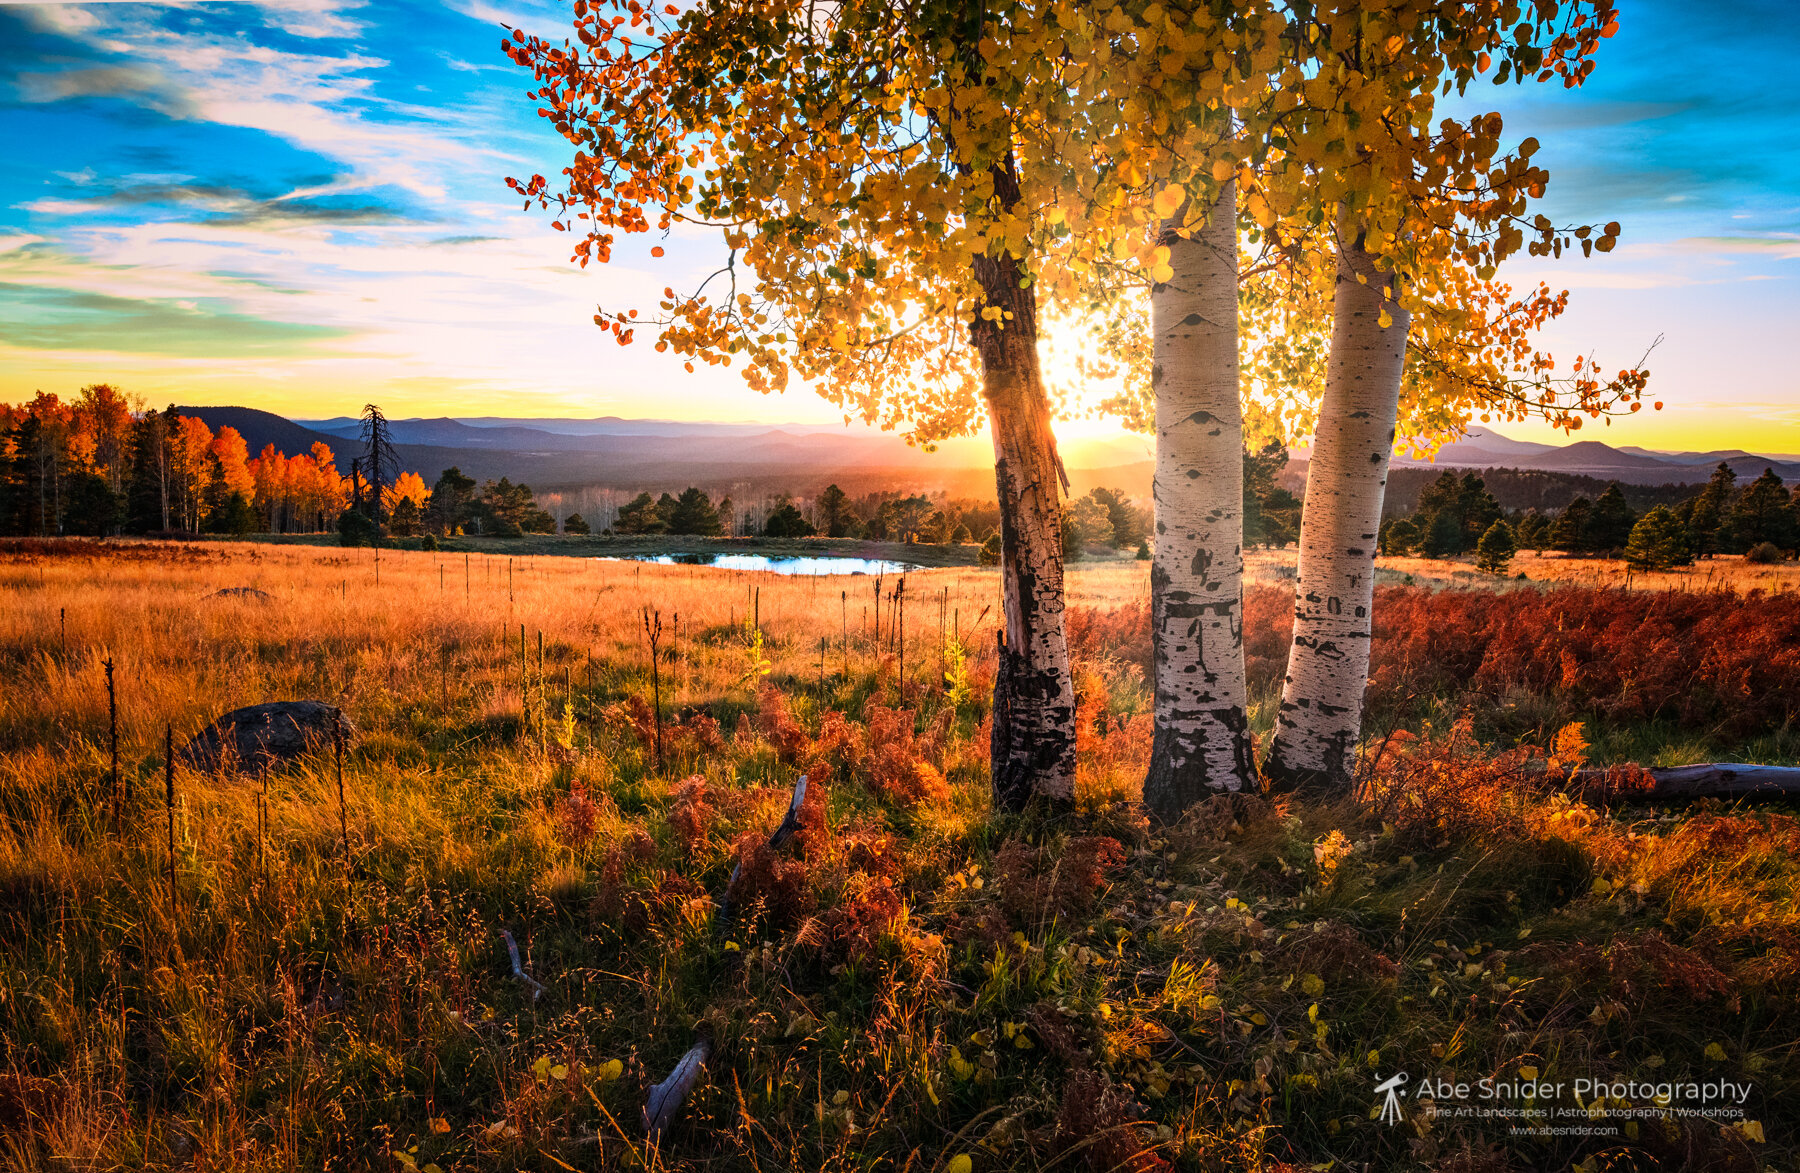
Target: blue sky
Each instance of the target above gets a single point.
(300, 206)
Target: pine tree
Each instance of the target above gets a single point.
(1708, 516)
(1533, 531)
(1658, 541)
(834, 512)
(404, 520)
(147, 494)
(380, 462)
(11, 493)
(1496, 548)
(1609, 526)
(1398, 537)
(1762, 514)
(1478, 510)
(1452, 515)
(448, 505)
(693, 513)
(786, 522)
(1570, 532)
(1443, 536)
(90, 507)
(639, 516)
(1261, 528)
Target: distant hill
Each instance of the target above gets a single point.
(1712, 459)
(1592, 458)
(729, 458)
(262, 428)
(1488, 446)
(742, 458)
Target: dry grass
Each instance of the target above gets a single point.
(914, 979)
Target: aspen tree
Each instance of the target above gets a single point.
(901, 193)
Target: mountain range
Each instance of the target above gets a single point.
(1486, 448)
(666, 455)
(659, 455)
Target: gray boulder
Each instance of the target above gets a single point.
(276, 733)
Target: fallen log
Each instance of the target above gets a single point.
(1731, 780)
(512, 949)
(666, 1098)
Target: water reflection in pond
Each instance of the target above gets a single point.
(797, 564)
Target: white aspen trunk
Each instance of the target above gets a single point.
(1202, 739)
(1328, 665)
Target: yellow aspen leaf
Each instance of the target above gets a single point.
(1168, 201)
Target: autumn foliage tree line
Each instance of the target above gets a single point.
(103, 463)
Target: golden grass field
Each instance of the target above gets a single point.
(918, 982)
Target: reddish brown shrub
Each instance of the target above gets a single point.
(776, 881)
(864, 912)
(1711, 660)
(1117, 633)
(1338, 955)
(902, 765)
(701, 730)
(1094, 1113)
(1635, 970)
(683, 736)
(1060, 1034)
(690, 815)
(620, 903)
(576, 816)
(1033, 885)
(635, 712)
(778, 726)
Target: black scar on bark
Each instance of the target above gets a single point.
(1014, 767)
(1178, 777)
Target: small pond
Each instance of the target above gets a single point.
(797, 564)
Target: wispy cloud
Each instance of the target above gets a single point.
(48, 318)
(1784, 245)
(326, 103)
(136, 83)
(297, 18)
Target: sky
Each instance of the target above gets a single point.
(299, 205)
